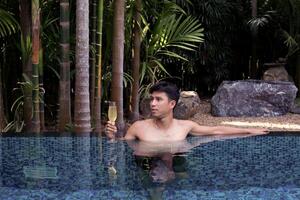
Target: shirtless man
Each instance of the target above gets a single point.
(162, 127)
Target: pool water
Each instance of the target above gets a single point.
(258, 167)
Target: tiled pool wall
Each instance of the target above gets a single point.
(266, 167)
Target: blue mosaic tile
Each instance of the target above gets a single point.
(261, 167)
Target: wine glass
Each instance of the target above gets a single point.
(112, 111)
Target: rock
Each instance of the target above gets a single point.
(187, 106)
(145, 107)
(276, 74)
(253, 98)
(295, 109)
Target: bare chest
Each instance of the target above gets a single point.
(156, 135)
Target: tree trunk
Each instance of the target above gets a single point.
(136, 61)
(64, 113)
(93, 32)
(117, 60)
(35, 64)
(25, 22)
(97, 107)
(82, 116)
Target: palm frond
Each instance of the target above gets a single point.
(182, 34)
(8, 25)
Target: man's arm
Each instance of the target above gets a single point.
(111, 130)
(131, 132)
(197, 129)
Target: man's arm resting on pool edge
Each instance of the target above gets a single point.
(198, 130)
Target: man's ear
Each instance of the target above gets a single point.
(173, 103)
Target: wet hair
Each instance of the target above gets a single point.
(170, 89)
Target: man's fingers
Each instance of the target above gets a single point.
(111, 129)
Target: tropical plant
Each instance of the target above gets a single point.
(26, 51)
(8, 24)
(35, 6)
(224, 31)
(17, 108)
(169, 35)
(278, 21)
(26, 45)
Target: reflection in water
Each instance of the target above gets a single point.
(160, 164)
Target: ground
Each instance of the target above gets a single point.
(288, 122)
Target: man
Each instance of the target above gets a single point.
(162, 127)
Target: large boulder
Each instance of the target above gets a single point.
(253, 98)
(187, 106)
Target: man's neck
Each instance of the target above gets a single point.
(163, 123)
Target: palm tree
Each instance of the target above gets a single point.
(117, 60)
(97, 106)
(82, 116)
(169, 36)
(136, 61)
(35, 9)
(25, 22)
(8, 25)
(64, 116)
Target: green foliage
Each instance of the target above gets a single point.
(107, 78)
(26, 49)
(171, 34)
(17, 124)
(69, 128)
(8, 25)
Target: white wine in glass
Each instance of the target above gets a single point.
(112, 111)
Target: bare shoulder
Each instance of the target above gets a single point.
(136, 128)
(187, 123)
(138, 125)
(141, 123)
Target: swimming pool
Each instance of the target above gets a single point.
(259, 167)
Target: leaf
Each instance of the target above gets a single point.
(8, 25)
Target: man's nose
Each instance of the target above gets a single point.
(153, 102)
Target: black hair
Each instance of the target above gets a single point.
(170, 89)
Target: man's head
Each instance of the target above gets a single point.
(170, 89)
(164, 97)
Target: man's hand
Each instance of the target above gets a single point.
(110, 130)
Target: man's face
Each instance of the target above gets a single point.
(160, 104)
